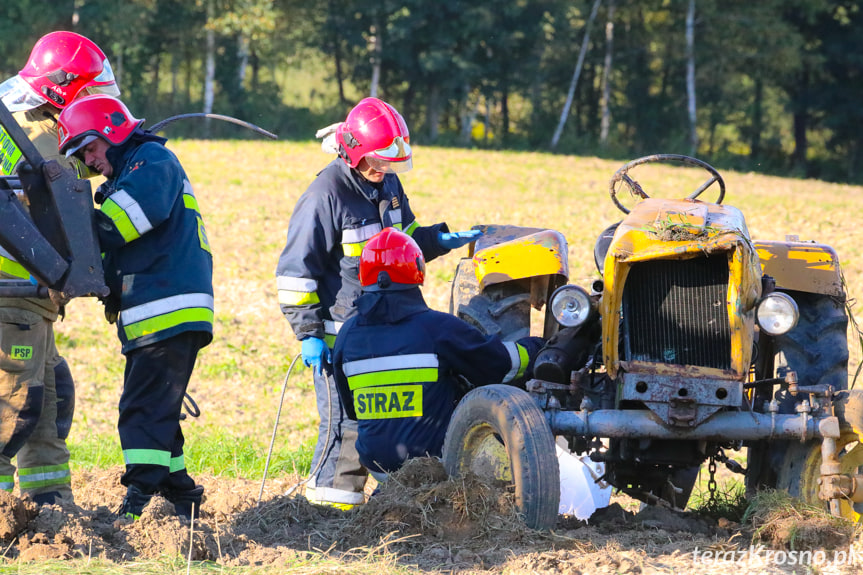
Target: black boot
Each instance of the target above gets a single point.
(49, 498)
(134, 503)
(186, 503)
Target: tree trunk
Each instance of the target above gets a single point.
(175, 77)
(209, 78)
(376, 49)
(606, 72)
(504, 114)
(242, 62)
(334, 12)
(690, 77)
(569, 96)
(757, 120)
(433, 112)
(255, 62)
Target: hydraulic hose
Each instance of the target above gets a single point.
(159, 125)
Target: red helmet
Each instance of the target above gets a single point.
(62, 64)
(94, 116)
(376, 131)
(391, 260)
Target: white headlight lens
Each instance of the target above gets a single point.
(570, 305)
(777, 313)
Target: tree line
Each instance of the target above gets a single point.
(772, 85)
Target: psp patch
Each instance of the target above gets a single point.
(389, 402)
(22, 352)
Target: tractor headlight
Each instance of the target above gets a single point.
(777, 313)
(570, 305)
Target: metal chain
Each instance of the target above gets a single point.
(711, 482)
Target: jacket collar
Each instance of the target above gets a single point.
(390, 306)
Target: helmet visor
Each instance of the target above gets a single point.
(395, 158)
(18, 96)
(388, 166)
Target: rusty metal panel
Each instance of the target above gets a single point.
(801, 266)
(506, 253)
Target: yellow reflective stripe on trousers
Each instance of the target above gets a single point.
(127, 215)
(331, 330)
(34, 477)
(13, 268)
(166, 313)
(297, 291)
(147, 457)
(412, 228)
(7, 482)
(389, 402)
(519, 360)
(177, 464)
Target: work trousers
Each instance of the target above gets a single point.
(37, 402)
(340, 477)
(153, 389)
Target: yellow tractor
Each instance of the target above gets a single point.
(696, 342)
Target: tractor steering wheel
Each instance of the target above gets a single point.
(635, 189)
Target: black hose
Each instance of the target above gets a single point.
(159, 125)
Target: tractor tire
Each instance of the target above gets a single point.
(817, 349)
(498, 433)
(502, 309)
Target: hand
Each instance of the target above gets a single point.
(316, 353)
(453, 240)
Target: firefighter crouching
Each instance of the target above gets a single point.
(398, 363)
(37, 394)
(159, 268)
(353, 198)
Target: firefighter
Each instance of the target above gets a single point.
(353, 198)
(37, 393)
(400, 366)
(159, 268)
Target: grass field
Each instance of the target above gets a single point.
(246, 191)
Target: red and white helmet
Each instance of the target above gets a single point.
(391, 260)
(92, 117)
(376, 131)
(62, 66)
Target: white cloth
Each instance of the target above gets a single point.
(329, 144)
(580, 494)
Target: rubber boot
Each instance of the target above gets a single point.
(186, 503)
(134, 503)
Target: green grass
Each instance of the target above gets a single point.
(212, 451)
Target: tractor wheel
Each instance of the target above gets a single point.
(502, 309)
(801, 471)
(498, 433)
(817, 349)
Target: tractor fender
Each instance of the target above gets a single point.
(506, 253)
(801, 266)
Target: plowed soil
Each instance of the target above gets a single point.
(431, 523)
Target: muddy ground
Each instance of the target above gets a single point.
(431, 523)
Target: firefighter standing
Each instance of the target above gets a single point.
(352, 199)
(159, 268)
(397, 362)
(37, 394)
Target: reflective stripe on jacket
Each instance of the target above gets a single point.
(397, 368)
(157, 257)
(317, 276)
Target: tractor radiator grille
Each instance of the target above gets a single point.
(675, 311)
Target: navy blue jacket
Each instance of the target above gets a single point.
(157, 259)
(318, 272)
(397, 365)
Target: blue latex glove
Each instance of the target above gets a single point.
(315, 353)
(454, 240)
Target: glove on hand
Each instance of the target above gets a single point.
(316, 353)
(454, 240)
(59, 298)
